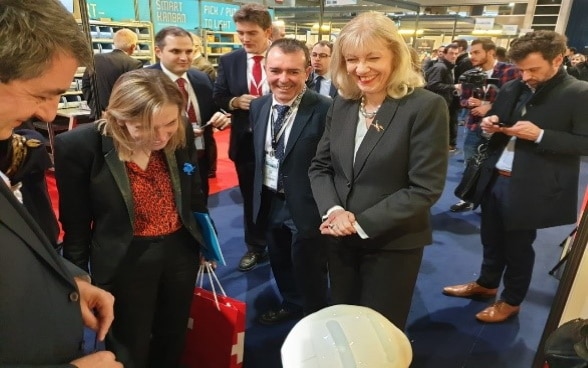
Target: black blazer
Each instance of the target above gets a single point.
(40, 310)
(230, 82)
(544, 181)
(398, 172)
(108, 67)
(311, 82)
(202, 85)
(96, 204)
(306, 131)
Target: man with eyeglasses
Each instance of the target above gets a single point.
(320, 79)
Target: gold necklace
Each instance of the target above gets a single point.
(366, 114)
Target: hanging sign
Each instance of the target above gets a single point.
(484, 23)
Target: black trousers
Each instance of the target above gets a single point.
(453, 125)
(153, 292)
(299, 264)
(254, 236)
(508, 254)
(383, 280)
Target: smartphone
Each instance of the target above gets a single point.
(499, 124)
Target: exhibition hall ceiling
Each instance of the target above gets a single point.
(428, 17)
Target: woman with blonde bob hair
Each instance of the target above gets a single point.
(369, 29)
(379, 168)
(137, 96)
(128, 187)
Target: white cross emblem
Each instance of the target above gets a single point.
(238, 348)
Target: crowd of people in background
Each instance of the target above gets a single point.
(340, 149)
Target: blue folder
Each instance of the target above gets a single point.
(212, 250)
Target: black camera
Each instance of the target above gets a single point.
(475, 77)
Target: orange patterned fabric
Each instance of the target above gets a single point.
(155, 210)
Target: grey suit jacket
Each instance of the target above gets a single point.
(40, 317)
(307, 129)
(398, 173)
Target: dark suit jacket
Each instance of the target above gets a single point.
(202, 86)
(40, 310)
(96, 203)
(440, 80)
(398, 173)
(544, 181)
(31, 173)
(311, 82)
(108, 67)
(230, 82)
(306, 131)
(462, 64)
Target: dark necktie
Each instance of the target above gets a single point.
(256, 88)
(190, 110)
(317, 83)
(282, 110)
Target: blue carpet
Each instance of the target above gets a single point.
(442, 330)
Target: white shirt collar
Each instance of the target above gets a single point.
(275, 102)
(172, 76)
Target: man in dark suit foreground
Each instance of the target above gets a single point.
(530, 179)
(107, 68)
(46, 301)
(287, 126)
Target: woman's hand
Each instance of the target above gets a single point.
(203, 262)
(339, 223)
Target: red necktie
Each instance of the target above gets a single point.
(256, 88)
(191, 112)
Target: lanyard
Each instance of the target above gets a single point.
(289, 117)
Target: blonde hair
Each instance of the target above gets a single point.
(360, 33)
(137, 96)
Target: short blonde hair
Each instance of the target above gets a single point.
(359, 34)
(137, 96)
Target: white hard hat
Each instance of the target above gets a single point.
(346, 336)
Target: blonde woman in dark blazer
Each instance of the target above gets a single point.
(128, 186)
(379, 168)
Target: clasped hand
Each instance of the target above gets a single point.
(339, 223)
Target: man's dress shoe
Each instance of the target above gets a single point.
(462, 206)
(273, 317)
(498, 312)
(250, 260)
(470, 290)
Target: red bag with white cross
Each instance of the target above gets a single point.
(216, 328)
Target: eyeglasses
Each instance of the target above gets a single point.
(320, 56)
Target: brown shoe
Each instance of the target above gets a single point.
(498, 312)
(469, 290)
